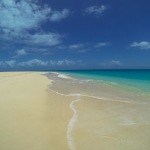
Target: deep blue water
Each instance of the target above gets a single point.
(139, 79)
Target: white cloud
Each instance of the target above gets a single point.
(83, 47)
(34, 62)
(19, 53)
(69, 62)
(96, 10)
(44, 39)
(59, 63)
(62, 62)
(102, 44)
(39, 39)
(42, 51)
(59, 15)
(76, 46)
(9, 63)
(72, 47)
(116, 62)
(19, 17)
(36, 50)
(80, 48)
(141, 45)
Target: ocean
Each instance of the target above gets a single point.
(136, 79)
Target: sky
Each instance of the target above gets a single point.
(79, 34)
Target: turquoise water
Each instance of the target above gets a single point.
(132, 79)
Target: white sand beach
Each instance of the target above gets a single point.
(32, 117)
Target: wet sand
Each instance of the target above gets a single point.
(111, 125)
(104, 119)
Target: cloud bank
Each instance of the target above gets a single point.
(38, 63)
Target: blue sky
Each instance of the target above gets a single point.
(81, 34)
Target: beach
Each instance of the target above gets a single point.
(40, 110)
(32, 117)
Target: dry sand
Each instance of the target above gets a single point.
(32, 117)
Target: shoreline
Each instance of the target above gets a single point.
(73, 119)
(41, 111)
(102, 119)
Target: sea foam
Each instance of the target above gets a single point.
(63, 76)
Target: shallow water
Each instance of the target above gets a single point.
(129, 79)
(105, 116)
